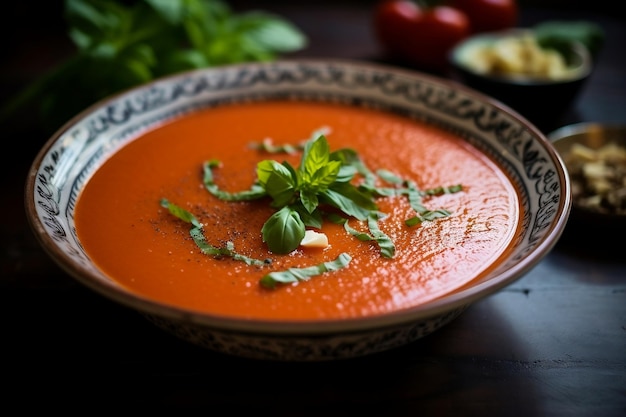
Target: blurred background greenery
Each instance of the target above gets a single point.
(36, 36)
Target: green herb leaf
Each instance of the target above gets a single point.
(413, 221)
(273, 33)
(323, 177)
(386, 245)
(302, 274)
(121, 44)
(255, 191)
(171, 11)
(316, 171)
(415, 197)
(278, 180)
(559, 34)
(200, 240)
(346, 173)
(283, 231)
(389, 176)
(362, 236)
(309, 200)
(443, 190)
(311, 219)
(268, 146)
(345, 203)
(181, 213)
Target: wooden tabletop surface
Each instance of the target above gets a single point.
(551, 344)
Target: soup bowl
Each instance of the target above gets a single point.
(518, 154)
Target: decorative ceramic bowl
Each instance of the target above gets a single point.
(68, 161)
(543, 93)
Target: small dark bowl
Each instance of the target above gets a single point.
(584, 224)
(543, 101)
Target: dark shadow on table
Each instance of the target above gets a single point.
(71, 344)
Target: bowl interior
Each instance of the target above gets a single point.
(72, 155)
(593, 136)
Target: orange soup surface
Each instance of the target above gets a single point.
(139, 244)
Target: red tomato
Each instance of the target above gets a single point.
(419, 36)
(488, 15)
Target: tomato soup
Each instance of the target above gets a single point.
(139, 244)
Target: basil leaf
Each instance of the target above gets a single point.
(272, 33)
(268, 146)
(362, 197)
(255, 191)
(283, 231)
(173, 11)
(302, 274)
(201, 243)
(180, 213)
(347, 156)
(413, 221)
(435, 214)
(387, 248)
(443, 190)
(309, 200)
(344, 204)
(386, 245)
(311, 219)
(415, 197)
(314, 155)
(324, 176)
(415, 200)
(279, 184)
(200, 240)
(346, 173)
(362, 236)
(389, 176)
(316, 172)
(265, 169)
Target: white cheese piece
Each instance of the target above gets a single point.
(313, 239)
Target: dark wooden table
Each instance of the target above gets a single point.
(551, 344)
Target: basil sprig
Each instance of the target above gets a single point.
(321, 178)
(323, 185)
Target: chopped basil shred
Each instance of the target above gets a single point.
(387, 248)
(253, 193)
(267, 144)
(415, 199)
(323, 186)
(200, 240)
(269, 280)
(302, 274)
